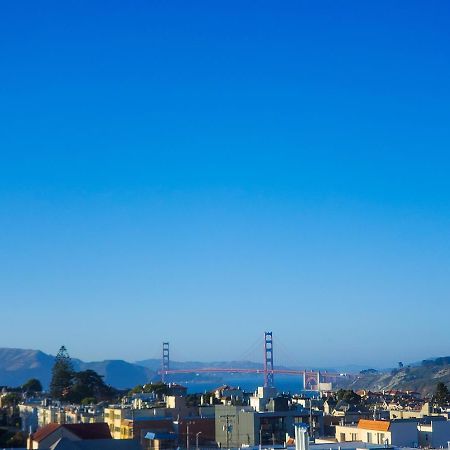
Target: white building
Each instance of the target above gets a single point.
(435, 433)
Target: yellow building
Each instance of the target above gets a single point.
(114, 417)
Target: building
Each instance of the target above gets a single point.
(47, 436)
(401, 433)
(261, 397)
(228, 395)
(350, 413)
(139, 427)
(195, 429)
(161, 441)
(177, 390)
(237, 426)
(434, 432)
(28, 413)
(95, 444)
(49, 414)
(118, 419)
(174, 417)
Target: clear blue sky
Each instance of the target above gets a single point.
(200, 172)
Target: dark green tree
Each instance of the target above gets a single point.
(348, 396)
(32, 385)
(89, 401)
(441, 395)
(193, 400)
(159, 388)
(62, 375)
(89, 384)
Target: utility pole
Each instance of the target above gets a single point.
(228, 431)
(227, 428)
(187, 436)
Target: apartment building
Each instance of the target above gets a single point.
(401, 433)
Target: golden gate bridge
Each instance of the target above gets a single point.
(312, 379)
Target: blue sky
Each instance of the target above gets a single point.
(200, 172)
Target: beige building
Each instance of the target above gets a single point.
(401, 433)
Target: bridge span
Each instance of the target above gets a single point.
(312, 379)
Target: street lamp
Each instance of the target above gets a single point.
(196, 439)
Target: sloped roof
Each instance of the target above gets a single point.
(43, 432)
(374, 425)
(81, 430)
(89, 430)
(96, 444)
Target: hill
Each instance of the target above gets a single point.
(19, 365)
(119, 373)
(421, 378)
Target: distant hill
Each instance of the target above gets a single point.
(19, 365)
(422, 377)
(119, 373)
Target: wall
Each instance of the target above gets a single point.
(404, 433)
(436, 435)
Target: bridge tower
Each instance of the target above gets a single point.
(268, 359)
(165, 363)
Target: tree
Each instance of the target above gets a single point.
(193, 399)
(348, 396)
(89, 401)
(89, 384)
(62, 375)
(441, 395)
(11, 399)
(32, 385)
(158, 388)
(368, 372)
